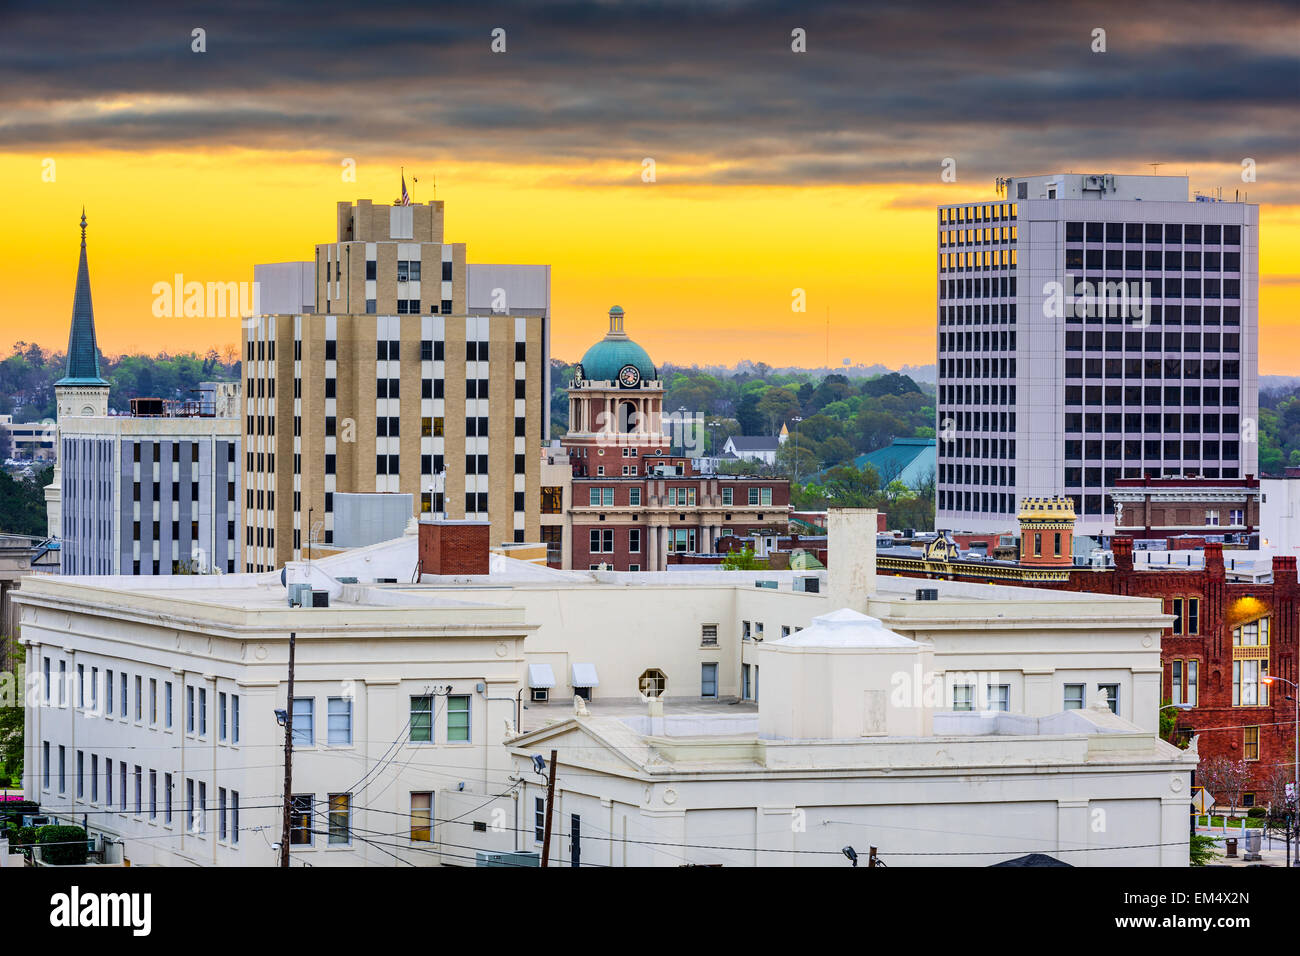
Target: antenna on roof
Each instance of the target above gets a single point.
(1155, 168)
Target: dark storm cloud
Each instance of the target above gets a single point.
(884, 93)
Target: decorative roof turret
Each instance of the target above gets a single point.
(83, 352)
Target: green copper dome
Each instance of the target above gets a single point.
(607, 358)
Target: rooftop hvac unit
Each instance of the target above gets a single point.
(298, 593)
(810, 585)
(927, 594)
(320, 599)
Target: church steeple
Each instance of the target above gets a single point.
(83, 353)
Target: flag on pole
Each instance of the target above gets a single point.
(406, 197)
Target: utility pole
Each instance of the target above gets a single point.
(288, 758)
(871, 859)
(550, 812)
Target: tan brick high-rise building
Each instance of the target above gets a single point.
(414, 374)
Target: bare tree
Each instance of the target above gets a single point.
(1225, 779)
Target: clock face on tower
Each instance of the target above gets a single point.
(629, 376)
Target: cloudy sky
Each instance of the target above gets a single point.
(773, 170)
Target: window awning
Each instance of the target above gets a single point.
(540, 675)
(584, 675)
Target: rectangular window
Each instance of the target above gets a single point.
(422, 817)
(153, 794)
(221, 813)
(153, 701)
(167, 798)
(108, 690)
(81, 774)
(634, 496)
(1193, 616)
(63, 771)
(234, 816)
(81, 685)
(339, 719)
(203, 711)
(1178, 616)
(304, 721)
(1250, 743)
(753, 496)
(94, 778)
(1192, 668)
(709, 680)
(121, 767)
(999, 697)
(726, 496)
(122, 702)
(539, 819)
(634, 540)
(139, 790)
(167, 704)
(221, 715)
(422, 719)
(963, 697)
(234, 718)
(1112, 696)
(139, 697)
(458, 718)
(189, 709)
(108, 779)
(300, 813)
(1176, 682)
(340, 821)
(709, 635)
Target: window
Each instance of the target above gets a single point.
(634, 496)
(1112, 696)
(203, 711)
(139, 697)
(1250, 743)
(1250, 651)
(63, 772)
(153, 700)
(304, 721)
(999, 697)
(81, 685)
(122, 702)
(422, 719)
(108, 688)
(552, 500)
(745, 632)
(121, 765)
(458, 718)
(1193, 616)
(339, 722)
(726, 496)
(340, 820)
(1178, 615)
(45, 765)
(221, 813)
(167, 704)
(1176, 682)
(81, 774)
(1192, 668)
(539, 819)
(234, 816)
(744, 682)
(108, 777)
(634, 540)
(167, 798)
(422, 817)
(652, 682)
(234, 718)
(709, 680)
(189, 709)
(709, 635)
(300, 813)
(153, 794)
(963, 697)
(139, 790)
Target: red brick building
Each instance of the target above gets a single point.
(635, 495)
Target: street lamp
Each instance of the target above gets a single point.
(796, 420)
(1295, 766)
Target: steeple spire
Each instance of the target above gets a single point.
(83, 352)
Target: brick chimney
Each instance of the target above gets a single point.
(453, 547)
(1214, 559)
(1122, 549)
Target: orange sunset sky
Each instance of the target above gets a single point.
(775, 170)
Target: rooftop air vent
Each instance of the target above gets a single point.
(927, 594)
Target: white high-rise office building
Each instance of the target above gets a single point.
(1092, 327)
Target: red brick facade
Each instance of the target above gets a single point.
(454, 547)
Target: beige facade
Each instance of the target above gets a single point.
(392, 385)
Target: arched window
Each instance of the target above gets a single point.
(652, 682)
(627, 417)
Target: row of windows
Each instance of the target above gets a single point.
(1153, 260)
(1171, 449)
(998, 697)
(977, 237)
(986, 287)
(968, 261)
(129, 796)
(1211, 396)
(96, 699)
(338, 720)
(1152, 368)
(984, 212)
(1153, 232)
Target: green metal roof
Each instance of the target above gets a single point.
(83, 352)
(603, 360)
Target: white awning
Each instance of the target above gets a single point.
(540, 675)
(584, 675)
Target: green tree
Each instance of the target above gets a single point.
(742, 560)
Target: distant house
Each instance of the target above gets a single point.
(909, 460)
(753, 447)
